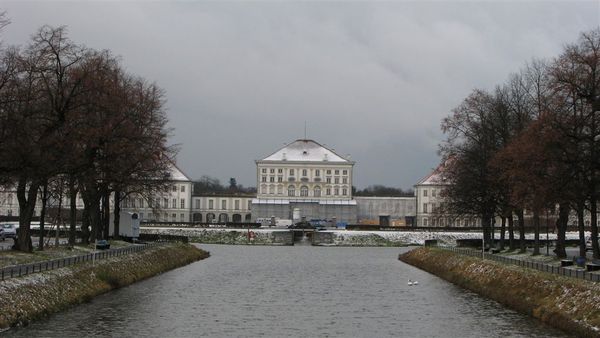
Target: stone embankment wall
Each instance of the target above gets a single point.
(34, 296)
(565, 303)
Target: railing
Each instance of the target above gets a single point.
(26, 269)
(557, 270)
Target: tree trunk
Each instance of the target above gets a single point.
(502, 231)
(581, 228)
(117, 215)
(59, 219)
(95, 218)
(521, 220)
(72, 211)
(536, 230)
(485, 225)
(512, 244)
(105, 213)
(85, 225)
(561, 229)
(27, 196)
(43, 215)
(594, 225)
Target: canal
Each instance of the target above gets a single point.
(299, 291)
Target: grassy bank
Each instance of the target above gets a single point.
(37, 295)
(568, 304)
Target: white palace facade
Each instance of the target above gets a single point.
(304, 179)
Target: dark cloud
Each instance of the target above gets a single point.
(371, 79)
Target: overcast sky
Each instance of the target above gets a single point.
(371, 79)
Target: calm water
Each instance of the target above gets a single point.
(299, 291)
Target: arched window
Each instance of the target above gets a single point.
(280, 189)
(263, 189)
(336, 191)
(304, 191)
(291, 191)
(271, 189)
(317, 192)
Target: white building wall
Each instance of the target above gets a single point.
(224, 208)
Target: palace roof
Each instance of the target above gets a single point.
(305, 151)
(436, 177)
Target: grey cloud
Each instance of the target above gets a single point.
(372, 79)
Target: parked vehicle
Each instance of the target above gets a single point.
(2, 236)
(10, 230)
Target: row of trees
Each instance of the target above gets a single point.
(211, 185)
(384, 191)
(73, 120)
(530, 144)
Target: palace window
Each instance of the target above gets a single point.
(336, 191)
(264, 170)
(345, 180)
(183, 188)
(197, 204)
(424, 208)
(303, 172)
(345, 172)
(328, 179)
(174, 205)
(317, 192)
(291, 191)
(304, 191)
(237, 204)
(264, 179)
(183, 203)
(280, 171)
(317, 172)
(344, 192)
(271, 189)
(337, 180)
(279, 178)
(272, 179)
(337, 172)
(223, 204)
(272, 171)
(425, 192)
(211, 204)
(328, 172)
(328, 191)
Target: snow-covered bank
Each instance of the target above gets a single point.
(264, 236)
(565, 303)
(33, 296)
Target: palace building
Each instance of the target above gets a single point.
(305, 180)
